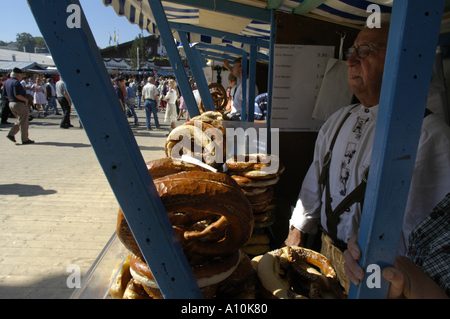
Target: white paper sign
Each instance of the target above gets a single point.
(298, 75)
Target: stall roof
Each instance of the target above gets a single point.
(239, 20)
(18, 56)
(7, 66)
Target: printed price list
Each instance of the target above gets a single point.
(298, 74)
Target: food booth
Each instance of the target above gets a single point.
(288, 44)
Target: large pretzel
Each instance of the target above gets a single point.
(273, 265)
(216, 195)
(219, 95)
(206, 275)
(204, 131)
(209, 212)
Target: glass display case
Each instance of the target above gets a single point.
(97, 281)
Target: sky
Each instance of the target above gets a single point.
(17, 18)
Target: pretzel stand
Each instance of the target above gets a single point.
(222, 215)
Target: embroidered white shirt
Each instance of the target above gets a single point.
(352, 155)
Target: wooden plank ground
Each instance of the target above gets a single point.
(56, 206)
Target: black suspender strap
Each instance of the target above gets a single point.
(356, 196)
(333, 216)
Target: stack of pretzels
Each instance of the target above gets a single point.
(212, 219)
(257, 174)
(206, 139)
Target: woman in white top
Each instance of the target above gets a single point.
(39, 97)
(171, 99)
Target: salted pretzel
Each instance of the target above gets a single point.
(212, 219)
(206, 139)
(209, 212)
(209, 193)
(277, 270)
(255, 166)
(212, 273)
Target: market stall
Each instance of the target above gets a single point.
(255, 25)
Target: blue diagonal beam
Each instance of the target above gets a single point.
(218, 56)
(199, 76)
(174, 56)
(219, 34)
(227, 49)
(413, 38)
(78, 60)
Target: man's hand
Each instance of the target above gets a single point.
(295, 238)
(351, 266)
(407, 280)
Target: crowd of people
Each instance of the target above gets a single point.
(38, 97)
(152, 94)
(22, 95)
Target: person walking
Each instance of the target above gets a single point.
(65, 102)
(18, 103)
(151, 95)
(131, 101)
(171, 109)
(50, 95)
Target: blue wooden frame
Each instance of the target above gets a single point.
(174, 57)
(78, 60)
(246, 58)
(219, 34)
(273, 38)
(413, 38)
(198, 73)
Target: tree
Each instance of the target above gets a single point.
(40, 45)
(25, 40)
(139, 42)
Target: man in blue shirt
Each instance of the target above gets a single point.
(261, 107)
(18, 103)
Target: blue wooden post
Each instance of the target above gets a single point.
(252, 84)
(78, 60)
(199, 76)
(244, 87)
(411, 51)
(273, 38)
(174, 57)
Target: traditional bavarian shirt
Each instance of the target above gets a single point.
(352, 155)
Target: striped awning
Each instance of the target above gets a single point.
(139, 13)
(348, 12)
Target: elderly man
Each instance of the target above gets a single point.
(18, 103)
(342, 157)
(150, 94)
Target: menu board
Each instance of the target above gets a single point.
(298, 74)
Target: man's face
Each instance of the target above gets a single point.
(365, 75)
